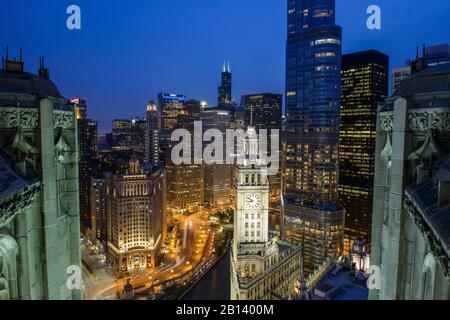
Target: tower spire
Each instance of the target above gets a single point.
(229, 68)
(224, 68)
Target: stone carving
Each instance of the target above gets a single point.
(428, 150)
(19, 201)
(63, 119)
(28, 118)
(419, 121)
(18, 117)
(386, 153)
(387, 121)
(432, 241)
(423, 121)
(21, 144)
(62, 148)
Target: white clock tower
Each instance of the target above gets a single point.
(251, 213)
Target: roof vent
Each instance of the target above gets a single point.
(43, 71)
(12, 66)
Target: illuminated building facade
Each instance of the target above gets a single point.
(39, 198)
(262, 267)
(410, 226)
(121, 133)
(87, 141)
(138, 134)
(169, 107)
(152, 134)
(136, 219)
(185, 182)
(264, 111)
(365, 77)
(313, 81)
(99, 209)
(217, 176)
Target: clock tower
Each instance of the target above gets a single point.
(251, 214)
(262, 265)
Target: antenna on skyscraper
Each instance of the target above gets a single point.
(229, 68)
(224, 68)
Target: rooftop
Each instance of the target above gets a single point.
(342, 286)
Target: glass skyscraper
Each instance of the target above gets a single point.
(313, 66)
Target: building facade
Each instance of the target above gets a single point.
(365, 78)
(136, 219)
(39, 196)
(313, 81)
(152, 134)
(99, 208)
(262, 267)
(185, 181)
(217, 176)
(410, 226)
(87, 141)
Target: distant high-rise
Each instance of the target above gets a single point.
(138, 134)
(264, 111)
(99, 208)
(87, 141)
(185, 187)
(313, 79)
(152, 134)
(121, 133)
(217, 176)
(224, 91)
(398, 75)
(169, 107)
(365, 78)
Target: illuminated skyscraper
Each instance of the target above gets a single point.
(313, 79)
(218, 175)
(185, 189)
(152, 134)
(365, 78)
(169, 106)
(87, 141)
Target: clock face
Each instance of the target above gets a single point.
(252, 201)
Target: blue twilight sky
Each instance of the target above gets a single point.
(129, 50)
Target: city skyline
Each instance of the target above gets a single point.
(191, 65)
(323, 186)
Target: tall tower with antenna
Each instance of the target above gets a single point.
(224, 91)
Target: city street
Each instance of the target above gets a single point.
(194, 250)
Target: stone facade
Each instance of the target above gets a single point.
(410, 232)
(39, 209)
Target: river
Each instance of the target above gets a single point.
(215, 285)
